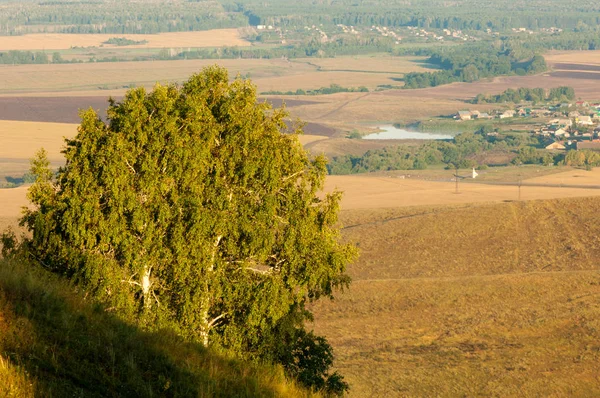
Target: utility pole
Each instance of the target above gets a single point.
(456, 178)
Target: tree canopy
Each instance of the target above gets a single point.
(195, 207)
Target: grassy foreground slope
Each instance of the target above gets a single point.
(55, 344)
(479, 300)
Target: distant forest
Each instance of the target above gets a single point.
(464, 41)
(145, 16)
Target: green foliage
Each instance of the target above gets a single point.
(582, 158)
(192, 210)
(458, 153)
(521, 94)
(531, 155)
(24, 57)
(332, 89)
(123, 41)
(473, 62)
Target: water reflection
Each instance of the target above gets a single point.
(394, 133)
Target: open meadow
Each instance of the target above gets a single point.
(58, 41)
(470, 300)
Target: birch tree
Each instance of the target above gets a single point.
(193, 206)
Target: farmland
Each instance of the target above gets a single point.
(58, 41)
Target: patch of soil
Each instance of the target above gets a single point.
(49, 109)
(576, 75)
(565, 66)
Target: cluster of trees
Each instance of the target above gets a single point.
(29, 57)
(562, 93)
(120, 17)
(583, 158)
(191, 210)
(332, 89)
(458, 152)
(470, 63)
(123, 41)
(531, 155)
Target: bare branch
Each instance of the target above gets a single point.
(214, 320)
(131, 281)
(130, 166)
(293, 175)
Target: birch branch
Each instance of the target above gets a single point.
(214, 320)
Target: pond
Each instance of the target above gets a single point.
(394, 133)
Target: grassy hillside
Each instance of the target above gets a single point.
(482, 300)
(53, 343)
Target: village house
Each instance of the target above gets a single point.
(556, 146)
(585, 121)
(561, 122)
(507, 114)
(463, 115)
(562, 133)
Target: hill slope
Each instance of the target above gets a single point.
(55, 344)
(478, 300)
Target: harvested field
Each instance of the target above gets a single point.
(368, 191)
(561, 66)
(379, 63)
(108, 76)
(488, 300)
(12, 200)
(66, 109)
(575, 75)
(585, 88)
(21, 140)
(273, 74)
(573, 57)
(58, 41)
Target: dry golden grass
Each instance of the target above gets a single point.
(487, 300)
(58, 41)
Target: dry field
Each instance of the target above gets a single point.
(20, 141)
(58, 41)
(379, 63)
(274, 74)
(470, 300)
(379, 191)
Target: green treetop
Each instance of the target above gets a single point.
(194, 208)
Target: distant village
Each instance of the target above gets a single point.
(565, 126)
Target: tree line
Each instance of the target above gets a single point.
(332, 89)
(458, 151)
(534, 95)
(470, 63)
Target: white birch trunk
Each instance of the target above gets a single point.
(206, 323)
(146, 287)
